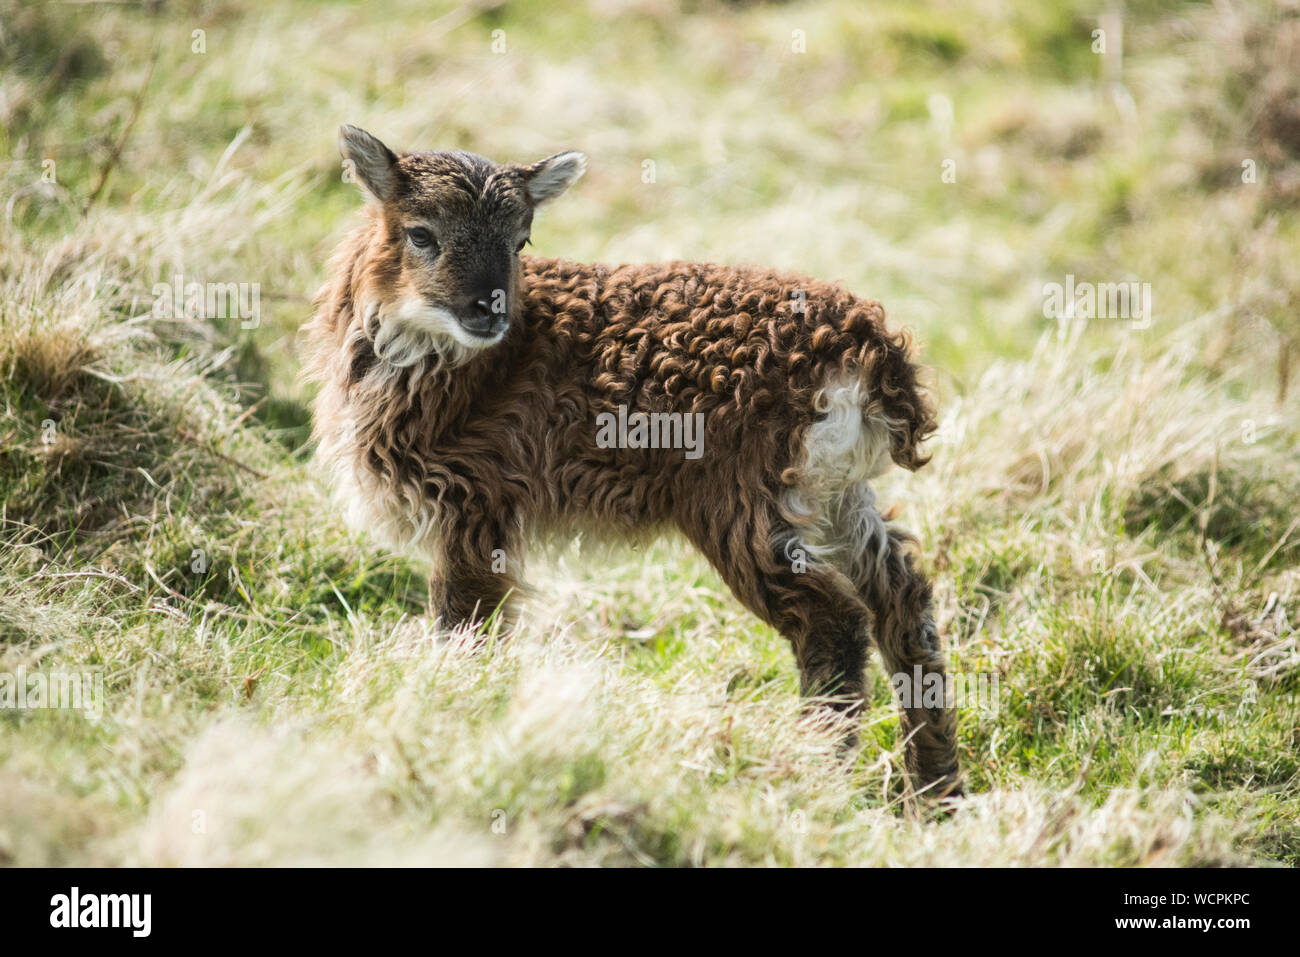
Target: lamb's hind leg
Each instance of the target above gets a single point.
(878, 558)
(828, 628)
(810, 602)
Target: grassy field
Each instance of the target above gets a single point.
(1109, 517)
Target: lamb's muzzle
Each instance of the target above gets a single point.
(463, 451)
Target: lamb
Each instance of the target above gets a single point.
(466, 393)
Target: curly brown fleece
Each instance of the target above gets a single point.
(466, 461)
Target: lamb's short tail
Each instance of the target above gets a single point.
(895, 396)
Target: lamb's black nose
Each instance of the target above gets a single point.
(479, 318)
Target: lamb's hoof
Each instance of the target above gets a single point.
(846, 745)
(944, 793)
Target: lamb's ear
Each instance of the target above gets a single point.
(370, 161)
(553, 175)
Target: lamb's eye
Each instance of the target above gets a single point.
(421, 237)
(519, 247)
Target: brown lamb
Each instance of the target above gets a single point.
(468, 397)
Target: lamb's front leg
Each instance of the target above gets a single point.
(475, 574)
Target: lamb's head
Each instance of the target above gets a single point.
(442, 273)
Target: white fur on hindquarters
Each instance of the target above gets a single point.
(834, 505)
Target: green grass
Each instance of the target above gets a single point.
(1109, 516)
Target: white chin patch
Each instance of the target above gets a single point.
(410, 330)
